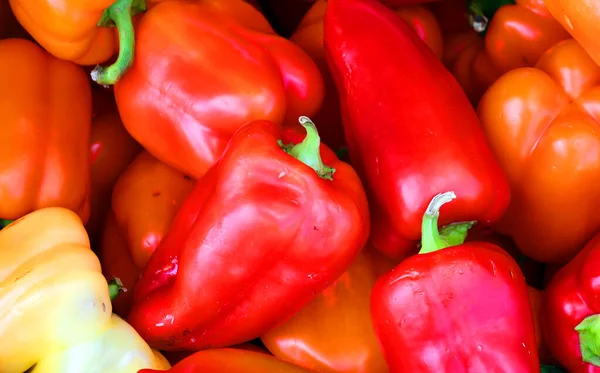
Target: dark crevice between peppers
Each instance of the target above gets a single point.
(308, 151)
(119, 15)
(434, 239)
(4, 223)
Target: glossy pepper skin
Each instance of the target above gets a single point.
(219, 66)
(119, 349)
(52, 292)
(516, 36)
(111, 149)
(581, 19)
(82, 32)
(145, 200)
(231, 360)
(309, 36)
(304, 226)
(392, 129)
(542, 124)
(430, 313)
(571, 311)
(45, 107)
(334, 333)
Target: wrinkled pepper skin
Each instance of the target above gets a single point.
(517, 36)
(309, 36)
(46, 111)
(112, 149)
(145, 200)
(581, 18)
(231, 360)
(431, 314)
(52, 292)
(119, 349)
(304, 231)
(334, 333)
(219, 66)
(409, 136)
(542, 124)
(571, 311)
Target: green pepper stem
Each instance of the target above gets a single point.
(4, 223)
(115, 286)
(589, 339)
(120, 15)
(308, 151)
(477, 19)
(451, 235)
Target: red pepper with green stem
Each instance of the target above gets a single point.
(571, 317)
(410, 129)
(454, 307)
(264, 231)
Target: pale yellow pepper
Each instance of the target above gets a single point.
(120, 349)
(53, 297)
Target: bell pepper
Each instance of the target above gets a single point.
(144, 202)
(302, 212)
(85, 32)
(119, 349)
(46, 110)
(581, 18)
(309, 36)
(52, 292)
(231, 360)
(112, 149)
(334, 333)
(571, 311)
(541, 124)
(537, 309)
(409, 136)
(454, 307)
(219, 67)
(517, 35)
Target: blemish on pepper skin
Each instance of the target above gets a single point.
(103, 307)
(156, 194)
(187, 177)
(315, 228)
(186, 332)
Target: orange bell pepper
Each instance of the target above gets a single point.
(517, 36)
(204, 69)
(144, 202)
(542, 125)
(83, 32)
(581, 18)
(309, 36)
(112, 149)
(45, 110)
(334, 333)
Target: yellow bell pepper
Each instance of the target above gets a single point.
(120, 349)
(53, 295)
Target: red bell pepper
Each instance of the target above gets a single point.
(410, 129)
(454, 307)
(571, 316)
(231, 360)
(202, 70)
(263, 232)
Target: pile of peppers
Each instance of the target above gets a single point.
(325, 186)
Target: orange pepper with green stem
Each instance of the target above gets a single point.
(144, 202)
(46, 112)
(517, 35)
(85, 32)
(309, 36)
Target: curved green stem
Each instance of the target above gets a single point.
(309, 150)
(115, 286)
(451, 235)
(120, 15)
(589, 339)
